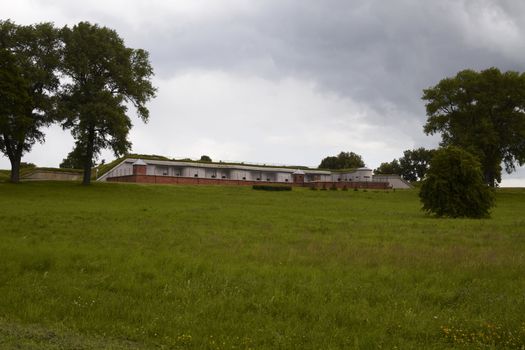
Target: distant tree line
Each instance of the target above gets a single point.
(344, 160)
(411, 167)
(81, 77)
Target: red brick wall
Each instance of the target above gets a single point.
(298, 178)
(139, 170)
(153, 179)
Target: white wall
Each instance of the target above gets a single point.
(282, 177)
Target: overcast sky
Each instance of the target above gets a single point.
(290, 82)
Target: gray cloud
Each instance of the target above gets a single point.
(383, 53)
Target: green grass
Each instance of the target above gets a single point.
(134, 266)
(4, 175)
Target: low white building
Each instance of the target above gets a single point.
(239, 172)
(215, 171)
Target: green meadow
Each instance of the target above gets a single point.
(116, 266)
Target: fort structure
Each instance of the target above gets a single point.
(191, 172)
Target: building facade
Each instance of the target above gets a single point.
(182, 172)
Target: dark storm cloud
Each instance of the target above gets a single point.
(380, 53)
(376, 52)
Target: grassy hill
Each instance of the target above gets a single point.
(4, 175)
(135, 266)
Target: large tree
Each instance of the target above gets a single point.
(483, 113)
(29, 59)
(104, 78)
(344, 160)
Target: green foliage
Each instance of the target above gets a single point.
(75, 159)
(105, 77)
(484, 113)
(25, 165)
(29, 60)
(411, 167)
(205, 158)
(344, 160)
(392, 168)
(414, 163)
(272, 187)
(207, 267)
(454, 186)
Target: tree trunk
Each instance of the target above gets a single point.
(490, 178)
(15, 157)
(15, 168)
(88, 161)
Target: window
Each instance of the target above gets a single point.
(196, 175)
(285, 180)
(244, 178)
(223, 177)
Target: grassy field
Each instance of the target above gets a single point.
(4, 175)
(133, 266)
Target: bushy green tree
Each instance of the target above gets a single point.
(454, 185)
(344, 160)
(414, 163)
(29, 59)
(104, 78)
(75, 159)
(483, 113)
(205, 158)
(411, 167)
(392, 168)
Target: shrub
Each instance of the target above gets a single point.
(272, 187)
(454, 186)
(333, 187)
(24, 165)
